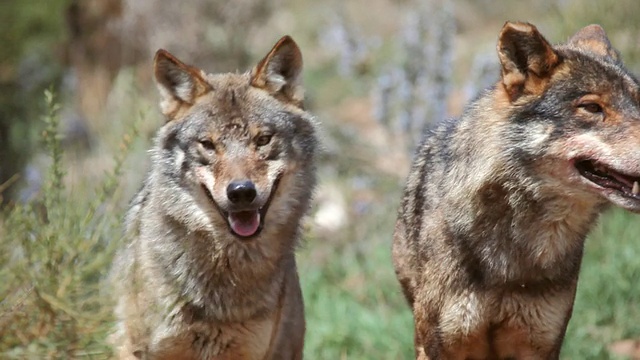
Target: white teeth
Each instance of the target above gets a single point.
(636, 188)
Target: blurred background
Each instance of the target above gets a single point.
(376, 72)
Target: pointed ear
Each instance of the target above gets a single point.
(279, 72)
(179, 84)
(526, 57)
(592, 38)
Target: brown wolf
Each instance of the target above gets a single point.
(210, 272)
(490, 232)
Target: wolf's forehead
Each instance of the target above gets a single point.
(235, 108)
(228, 80)
(234, 114)
(593, 74)
(243, 105)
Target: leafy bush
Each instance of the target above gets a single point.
(55, 253)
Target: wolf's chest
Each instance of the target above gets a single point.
(490, 324)
(247, 340)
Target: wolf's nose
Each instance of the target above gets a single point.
(241, 192)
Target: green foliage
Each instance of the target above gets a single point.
(55, 255)
(30, 26)
(355, 309)
(32, 32)
(607, 306)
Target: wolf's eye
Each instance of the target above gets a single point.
(593, 108)
(208, 145)
(263, 140)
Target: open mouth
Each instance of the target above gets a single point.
(605, 177)
(245, 223)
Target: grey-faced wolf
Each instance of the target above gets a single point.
(210, 271)
(490, 232)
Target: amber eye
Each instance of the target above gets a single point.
(208, 145)
(593, 108)
(263, 140)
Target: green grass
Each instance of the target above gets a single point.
(607, 306)
(353, 304)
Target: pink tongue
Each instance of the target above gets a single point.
(244, 223)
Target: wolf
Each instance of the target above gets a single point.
(490, 232)
(209, 270)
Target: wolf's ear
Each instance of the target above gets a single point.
(527, 59)
(179, 84)
(593, 39)
(279, 72)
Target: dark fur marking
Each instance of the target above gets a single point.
(433, 344)
(171, 140)
(193, 313)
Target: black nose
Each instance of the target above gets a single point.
(241, 192)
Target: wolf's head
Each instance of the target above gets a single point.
(573, 111)
(235, 158)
